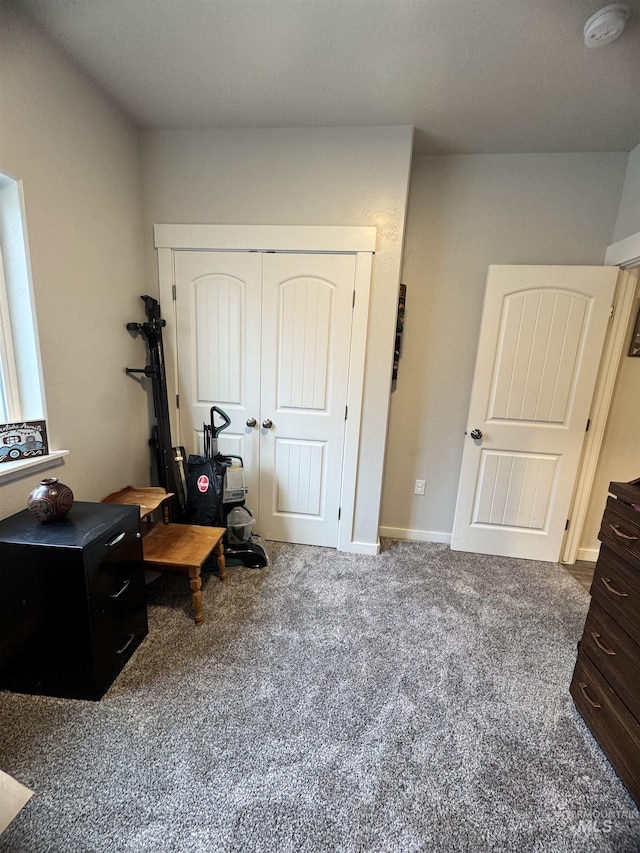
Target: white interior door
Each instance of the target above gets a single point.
(541, 339)
(218, 328)
(266, 336)
(306, 333)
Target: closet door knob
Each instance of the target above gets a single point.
(251, 422)
(476, 434)
(267, 424)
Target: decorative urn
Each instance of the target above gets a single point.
(50, 501)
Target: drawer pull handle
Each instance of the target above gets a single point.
(607, 583)
(121, 590)
(622, 535)
(583, 686)
(116, 539)
(128, 642)
(596, 640)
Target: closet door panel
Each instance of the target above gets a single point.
(218, 299)
(306, 332)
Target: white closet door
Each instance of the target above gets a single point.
(267, 336)
(306, 334)
(218, 327)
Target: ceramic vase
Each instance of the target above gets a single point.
(50, 501)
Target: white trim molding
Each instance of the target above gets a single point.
(362, 548)
(416, 535)
(267, 238)
(355, 392)
(588, 555)
(624, 253)
(23, 467)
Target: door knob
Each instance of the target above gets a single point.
(267, 424)
(251, 422)
(476, 433)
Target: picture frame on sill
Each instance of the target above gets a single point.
(23, 440)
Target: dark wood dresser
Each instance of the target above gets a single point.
(606, 680)
(72, 600)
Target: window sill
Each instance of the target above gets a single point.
(22, 467)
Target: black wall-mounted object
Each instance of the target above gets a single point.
(634, 346)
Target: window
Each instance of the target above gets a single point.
(21, 388)
(21, 392)
(9, 406)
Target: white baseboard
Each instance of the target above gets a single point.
(588, 554)
(362, 548)
(416, 535)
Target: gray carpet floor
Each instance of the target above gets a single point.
(413, 701)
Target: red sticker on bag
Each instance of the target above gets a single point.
(203, 482)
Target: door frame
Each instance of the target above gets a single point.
(626, 255)
(355, 240)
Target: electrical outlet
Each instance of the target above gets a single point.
(419, 487)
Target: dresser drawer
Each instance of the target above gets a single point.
(613, 726)
(121, 544)
(113, 569)
(620, 529)
(629, 493)
(615, 654)
(117, 602)
(615, 589)
(116, 639)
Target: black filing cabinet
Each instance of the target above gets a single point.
(72, 600)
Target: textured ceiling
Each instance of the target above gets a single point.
(472, 76)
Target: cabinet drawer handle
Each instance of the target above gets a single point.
(618, 532)
(596, 640)
(116, 539)
(583, 687)
(121, 590)
(607, 583)
(126, 645)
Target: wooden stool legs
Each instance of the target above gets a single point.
(185, 548)
(195, 582)
(222, 563)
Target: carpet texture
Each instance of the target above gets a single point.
(413, 701)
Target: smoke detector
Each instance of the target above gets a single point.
(606, 25)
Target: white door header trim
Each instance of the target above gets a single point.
(267, 238)
(624, 253)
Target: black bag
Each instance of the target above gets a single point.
(205, 489)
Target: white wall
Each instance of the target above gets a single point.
(628, 222)
(337, 176)
(79, 162)
(466, 212)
